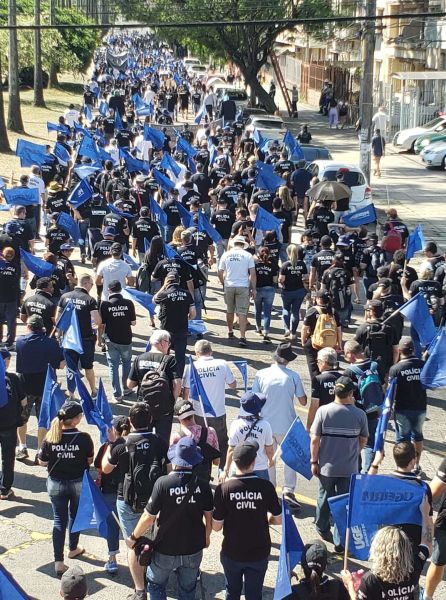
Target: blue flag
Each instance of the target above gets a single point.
(145, 111)
(36, 265)
(81, 193)
(92, 415)
(86, 170)
(57, 127)
(30, 154)
(196, 327)
(360, 217)
(383, 422)
(185, 216)
(433, 374)
(339, 512)
(118, 121)
(291, 548)
(133, 165)
(191, 165)
(21, 196)
(204, 225)
(242, 366)
(87, 112)
(103, 108)
(258, 138)
(52, 399)
(69, 323)
(142, 298)
(88, 148)
(103, 155)
(116, 211)
(183, 146)
(212, 152)
(68, 224)
(289, 142)
(93, 511)
(417, 312)
(158, 213)
(415, 242)
(146, 245)
(9, 588)
(155, 136)
(197, 391)
(265, 221)
(3, 390)
(377, 500)
(103, 406)
(169, 164)
(267, 179)
(164, 182)
(129, 260)
(61, 153)
(200, 114)
(295, 449)
(170, 253)
(137, 101)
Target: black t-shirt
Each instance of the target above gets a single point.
(24, 233)
(243, 503)
(264, 199)
(429, 289)
(68, 458)
(175, 303)
(57, 203)
(330, 589)
(223, 220)
(410, 394)
(10, 413)
(230, 194)
(150, 361)
(40, 304)
(321, 218)
(102, 250)
(119, 224)
(203, 183)
(170, 207)
(285, 217)
(362, 337)
(117, 315)
(284, 166)
(124, 138)
(144, 229)
(9, 283)
(372, 588)
(56, 237)
(109, 125)
(322, 386)
(96, 215)
(293, 275)
(322, 261)
(109, 481)
(84, 305)
(190, 196)
(188, 534)
(119, 456)
(166, 266)
(265, 273)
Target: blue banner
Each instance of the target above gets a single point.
(205, 226)
(36, 265)
(61, 153)
(415, 242)
(69, 323)
(103, 108)
(68, 224)
(3, 390)
(144, 299)
(93, 511)
(295, 449)
(81, 194)
(133, 165)
(196, 327)
(57, 127)
(85, 171)
(52, 399)
(21, 196)
(416, 310)
(158, 213)
(88, 148)
(242, 366)
(170, 164)
(9, 588)
(118, 212)
(30, 154)
(197, 391)
(266, 178)
(185, 216)
(164, 182)
(155, 136)
(265, 221)
(384, 419)
(433, 374)
(291, 548)
(103, 406)
(360, 217)
(184, 146)
(92, 415)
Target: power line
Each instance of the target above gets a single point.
(243, 23)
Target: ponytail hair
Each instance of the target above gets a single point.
(315, 585)
(54, 434)
(292, 254)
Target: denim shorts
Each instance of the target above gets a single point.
(409, 425)
(127, 517)
(438, 557)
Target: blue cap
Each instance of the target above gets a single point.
(185, 453)
(251, 403)
(67, 246)
(12, 228)
(109, 231)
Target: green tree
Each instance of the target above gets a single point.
(247, 46)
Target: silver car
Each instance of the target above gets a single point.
(434, 155)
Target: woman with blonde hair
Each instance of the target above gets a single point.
(67, 453)
(176, 237)
(292, 275)
(396, 563)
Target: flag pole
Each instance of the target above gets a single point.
(124, 535)
(347, 541)
(276, 453)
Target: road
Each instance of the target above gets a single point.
(25, 521)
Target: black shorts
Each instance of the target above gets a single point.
(438, 557)
(31, 400)
(86, 360)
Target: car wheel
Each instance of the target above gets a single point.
(443, 163)
(412, 148)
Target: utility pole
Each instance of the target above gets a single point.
(38, 76)
(366, 95)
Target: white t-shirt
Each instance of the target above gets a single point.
(261, 433)
(37, 182)
(114, 153)
(143, 147)
(71, 116)
(380, 120)
(149, 96)
(111, 269)
(215, 374)
(236, 264)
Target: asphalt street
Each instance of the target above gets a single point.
(25, 521)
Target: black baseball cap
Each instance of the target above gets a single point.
(344, 385)
(69, 410)
(116, 248)
(245, 452)
(285, 350)
(73, 584)
(314, 558)
(406, 344)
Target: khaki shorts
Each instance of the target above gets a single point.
(237, 300)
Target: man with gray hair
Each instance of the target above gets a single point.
(158, 359)
(322, 386)
(215, 376)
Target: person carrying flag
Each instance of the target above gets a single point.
(9, 296)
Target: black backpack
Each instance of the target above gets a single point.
(155, 390)
(143, 278)
(143, 471)
(377, 259)
(338, 288)
(377, 342)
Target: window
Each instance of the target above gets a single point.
(352, 178)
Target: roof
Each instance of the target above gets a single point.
(419, 75)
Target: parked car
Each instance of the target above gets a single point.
(354, 178)
(199, 71)
(313, 153)
(405, 139)
(264, 122)
(188, 62)
(434, 155)
(428, 138)
(247, 111)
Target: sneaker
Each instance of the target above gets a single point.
(10, 347)
(287, 334)
(111, 566)
(36, 459)
(6, 494)
(266, 339)
(242, 342)
(138, 595)
(21, 454)
(103, 349)
(231, 335)
(259, 331)
(339, 549)
(290, 499)
(118, 399)
(128, 392)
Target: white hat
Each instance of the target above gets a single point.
(239, 239)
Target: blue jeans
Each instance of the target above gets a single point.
(8, 439)
(409, 425)
(199, 296)
(329, 487)
(263, 305)
(283, 256)
(292, 300)
(113, 527)
(251, 574)
(64, 497)
(222, 246)
(186, 568)
(367, 452)
(83, 239)
(118, 354)
(8, 315)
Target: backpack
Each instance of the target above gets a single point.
(209, 453)
(376, 260)
(377, 341)
(369, 386)
(392, 240)
(339, 288)
(142, 474)
(324, 334)
(155, 391)
(143, 278)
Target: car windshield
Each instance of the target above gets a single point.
(434, 122)
(311, 154)
(351, 178)
(268, 124)
(237, 95)
(198, 68)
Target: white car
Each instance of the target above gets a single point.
(188, 62)
(434, 155)
(198, 71)
(405, 139)
(264, 122)
(354, 178)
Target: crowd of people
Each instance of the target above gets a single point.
(165, 212)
